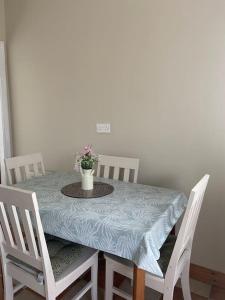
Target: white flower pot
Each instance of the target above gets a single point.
(87, 179)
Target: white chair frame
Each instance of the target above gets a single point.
(22, 237)
(179, 262)
(118, 163)
(24, 167)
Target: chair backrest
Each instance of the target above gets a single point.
(22, 237)
(123, 168)
(24, 167)
(183, 246)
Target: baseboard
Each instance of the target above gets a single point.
(207, 276)
(217, 293)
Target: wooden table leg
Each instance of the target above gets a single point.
(1, 284)
(139, 284)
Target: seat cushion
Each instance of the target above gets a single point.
(165, 255)
(66, 256)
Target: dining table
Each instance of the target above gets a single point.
(132, 222)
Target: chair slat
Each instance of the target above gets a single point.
(5, 225)
(30, 237)
(18, 174)
(106, 172)
(9, 175)
(126, 175)
(135, 176)
(98, 171)
(27, 172)
(36, 173)
(42, 167)
(116, 172)
(16, 228)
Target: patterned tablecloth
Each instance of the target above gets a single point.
(133, 222)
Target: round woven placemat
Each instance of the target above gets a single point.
(100, 189)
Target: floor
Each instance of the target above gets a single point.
(200, 290)
(218, 294)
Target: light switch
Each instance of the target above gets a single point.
(103, 128)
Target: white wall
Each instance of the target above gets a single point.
(2, 20)
(154, 69)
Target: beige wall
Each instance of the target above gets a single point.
(154, 69)
(2, 20)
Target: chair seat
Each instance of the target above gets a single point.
(66, 256)
(165, 255)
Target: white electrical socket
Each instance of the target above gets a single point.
(103, 128)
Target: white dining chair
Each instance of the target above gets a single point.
(123, 168)
(24, 167)
(47, 266)
(174, 259)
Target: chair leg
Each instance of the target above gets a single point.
(50, 292)
(94, 278)
(8, 287)
(108, 282)
(168, 294)
(185, 282)
(50, 298)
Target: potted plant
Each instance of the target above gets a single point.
(86, 161)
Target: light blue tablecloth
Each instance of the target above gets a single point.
(133, 222)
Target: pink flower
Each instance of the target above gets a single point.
(87, 150)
